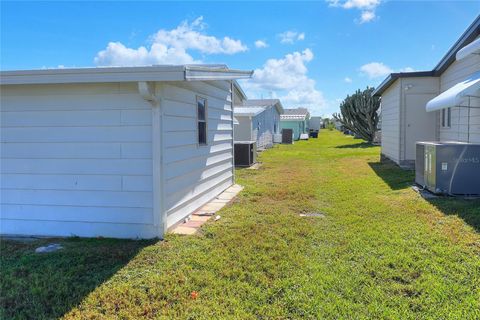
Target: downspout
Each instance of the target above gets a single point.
(232, 104)
(148, 92)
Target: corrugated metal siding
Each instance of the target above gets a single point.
(459, 71)
(195, 174)
(76, 160)
(391, 122)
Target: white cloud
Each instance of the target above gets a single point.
(261, 44)
(289, 37)
(367, 16)
(367, 7)
(375, 70)
(348, 80)
(378, 69)
(170, 47)
(407, 69)
(286, 78)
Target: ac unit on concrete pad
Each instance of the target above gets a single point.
(451, 168)
(287, 136)
(245, 153)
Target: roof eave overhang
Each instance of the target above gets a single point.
(205, 74)
(394, 76)
(240, 91)
(121, 74)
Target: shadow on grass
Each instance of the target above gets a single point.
(467, 210)
(394, 176)
(397, 178)
(46, 286)
(361, 145)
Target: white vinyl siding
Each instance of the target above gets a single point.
(391, 122)
(460, 117)
(195, 174)
(76, 160)
(243, 130)
(416, 124)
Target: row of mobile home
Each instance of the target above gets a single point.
(125, 152)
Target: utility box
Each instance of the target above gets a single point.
(287, 136)
(451, 168)
(245, 153)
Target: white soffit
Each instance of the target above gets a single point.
(247, 111)
(472, 48)
(455, 95)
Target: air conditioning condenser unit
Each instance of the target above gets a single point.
(451, 168)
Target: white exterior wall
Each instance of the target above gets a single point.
(98, 160)
(391, 122)
(455, 73)
(416, 124)
(76, 160)
(193, 174)
(243, 130)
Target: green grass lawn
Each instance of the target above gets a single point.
(381, 251)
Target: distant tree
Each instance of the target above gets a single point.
(328, 124)
(358, 113)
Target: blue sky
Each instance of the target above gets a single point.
(306, 53)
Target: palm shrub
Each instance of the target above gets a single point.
(359, 113)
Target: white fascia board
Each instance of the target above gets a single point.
(206, 74)
(455, 95)
(121, 74)
(472, 48)
(92, 75)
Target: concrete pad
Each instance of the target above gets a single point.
(196, 217)
(255, 166)
(202, 215)
(213, 206)
(193, 224)
(184, 230)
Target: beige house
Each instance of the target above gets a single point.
(440, 105)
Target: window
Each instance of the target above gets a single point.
(202, 120)
(446, 118)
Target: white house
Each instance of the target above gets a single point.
(437, 105)
(258, 120)
(114, 152)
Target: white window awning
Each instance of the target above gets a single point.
(472, 48)
(455, 96)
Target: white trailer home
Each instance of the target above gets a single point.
(116, 152)
(258, 120)
(414, 107)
